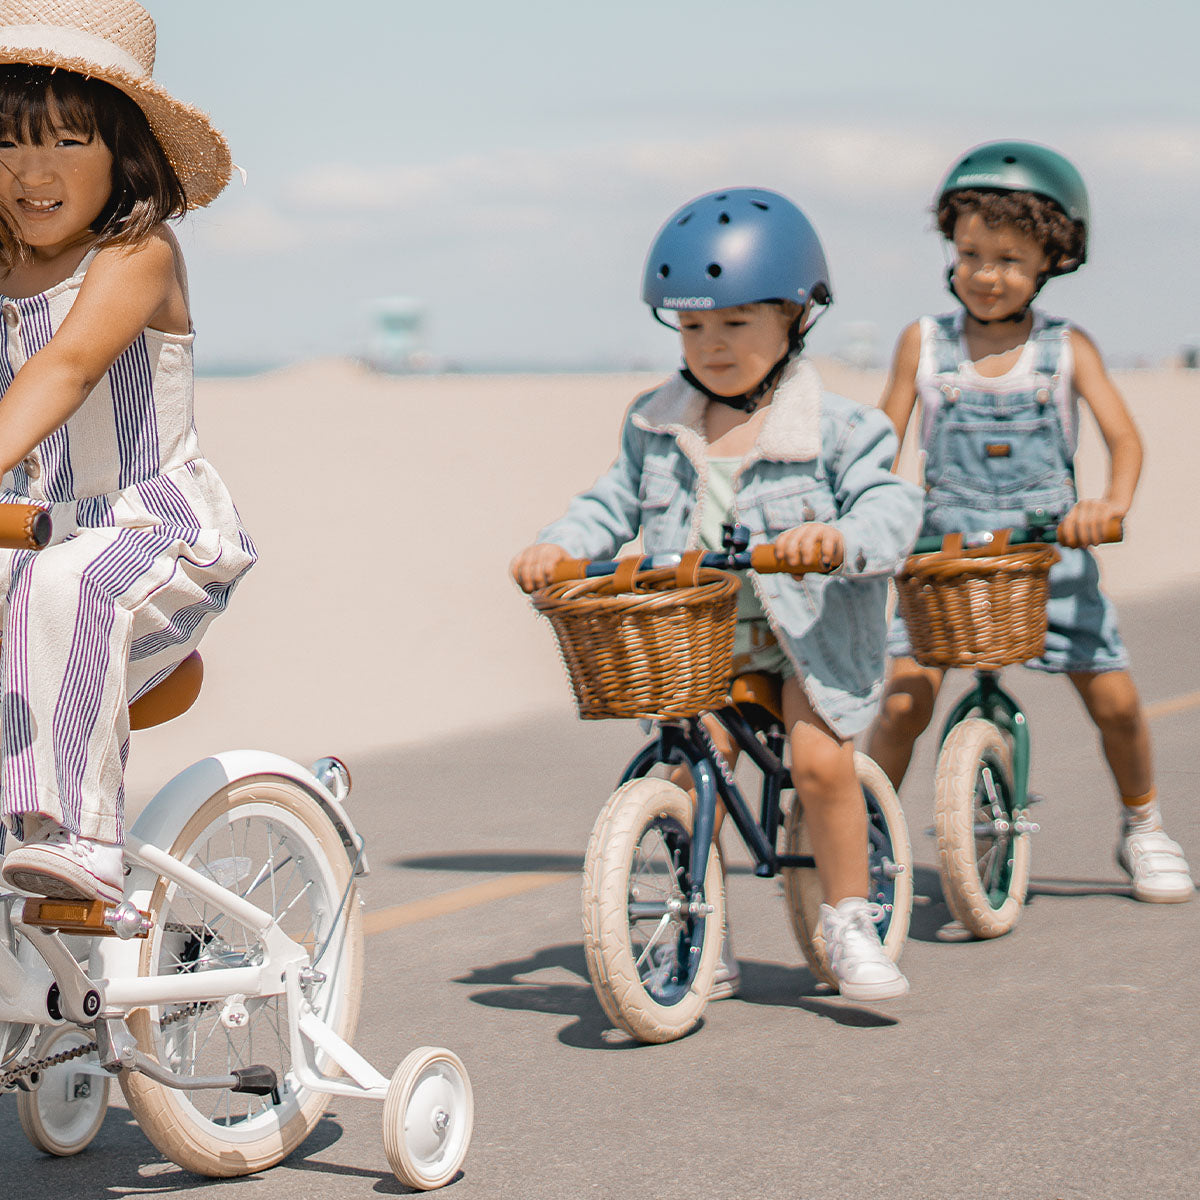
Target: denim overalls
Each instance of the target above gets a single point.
(995, 448)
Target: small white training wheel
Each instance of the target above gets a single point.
(66, 1111)
(427, 1118)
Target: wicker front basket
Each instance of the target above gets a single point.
(976, 610)
(658, 650)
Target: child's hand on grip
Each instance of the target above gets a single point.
(812, 546)
(1085, 524)
(533, 566)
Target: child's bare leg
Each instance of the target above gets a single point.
(1112, 702)
(836, 816)
(1155, 863)
(904, 715)
(827, 786)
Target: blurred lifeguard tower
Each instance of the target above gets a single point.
(397, 334)
(858, 345)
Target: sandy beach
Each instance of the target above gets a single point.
(386, 510)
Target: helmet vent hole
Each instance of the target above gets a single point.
(684, 219)
(723, 219)
(713, 269)
(722, 197)
(760, 204)
(664, 271)
(1008, 158)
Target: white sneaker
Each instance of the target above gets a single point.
(727, 979)
(1157, 867)
(65, 866)
(856, 955)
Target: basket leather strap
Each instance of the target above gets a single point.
(687, 574)
(623, 577)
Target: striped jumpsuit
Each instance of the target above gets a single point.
(147, 548)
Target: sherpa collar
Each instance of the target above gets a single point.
(791, 430)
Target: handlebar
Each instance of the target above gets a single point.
(762, 559)
(998, 540)
(24, 527)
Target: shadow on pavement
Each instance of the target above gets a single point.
(762, 983)
(133, 1167)
(515, 861)
(932, 920)
(1079, 887)
(481, 861)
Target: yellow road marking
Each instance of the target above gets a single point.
(475, 894)
(471, 896)
(1177, 704)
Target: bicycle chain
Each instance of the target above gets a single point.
(13, 1077)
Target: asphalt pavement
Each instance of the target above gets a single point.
(1057, 1062)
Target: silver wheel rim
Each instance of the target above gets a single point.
(270, 856)
(655, 935)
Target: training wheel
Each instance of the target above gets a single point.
(66, 1111)
(427, 1118)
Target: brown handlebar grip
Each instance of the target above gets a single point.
(766, 561)
(1114, 531)
(24, 527)
(569, 568)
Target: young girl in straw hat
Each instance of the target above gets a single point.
(96, 424)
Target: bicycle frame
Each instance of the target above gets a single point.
(686, 742)
(990, 701)
(26, 978)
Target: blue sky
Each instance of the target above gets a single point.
(509, 164)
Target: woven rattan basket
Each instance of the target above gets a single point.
(976, 608)
(642, 645)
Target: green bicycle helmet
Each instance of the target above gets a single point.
(1024, 167)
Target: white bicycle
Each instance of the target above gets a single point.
(223, 991)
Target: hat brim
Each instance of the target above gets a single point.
(195, 148)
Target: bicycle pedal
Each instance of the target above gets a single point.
(88, 918)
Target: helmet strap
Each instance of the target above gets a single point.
(1012, 318)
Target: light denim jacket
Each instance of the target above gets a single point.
(817, 457)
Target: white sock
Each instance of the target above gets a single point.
(1142, 818)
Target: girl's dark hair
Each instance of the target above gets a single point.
(1063, 240)
(145, 189)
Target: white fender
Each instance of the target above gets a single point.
(163, 819)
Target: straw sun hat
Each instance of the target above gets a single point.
(113, 40)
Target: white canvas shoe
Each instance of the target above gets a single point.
(727, 979)
(1156, 865)
(856, 955)
(65, 866)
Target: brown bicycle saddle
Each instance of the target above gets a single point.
(170, 698)
(759, 690)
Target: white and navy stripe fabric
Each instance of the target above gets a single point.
(147, 548)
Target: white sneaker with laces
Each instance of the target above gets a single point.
(856, 955)
(1156, 865)
(727, 979)
(65, 866)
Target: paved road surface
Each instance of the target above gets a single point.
(1058, 1062)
